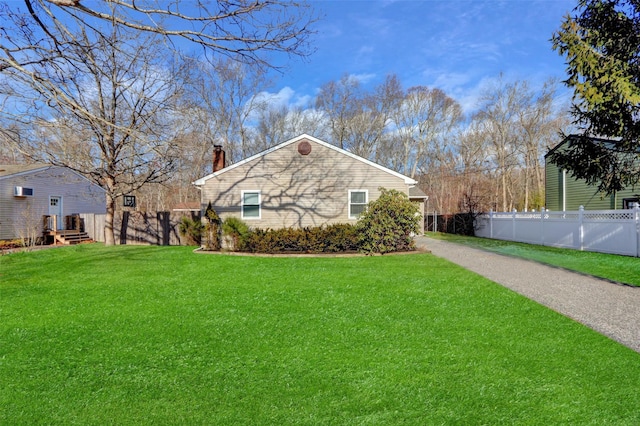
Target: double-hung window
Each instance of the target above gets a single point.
(358, 199)
(251, 205)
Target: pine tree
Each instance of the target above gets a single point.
(601, 46)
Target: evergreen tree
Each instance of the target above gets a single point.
(601, 45)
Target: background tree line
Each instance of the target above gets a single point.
(491, 159)
(111, 91)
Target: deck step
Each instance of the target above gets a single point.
(72, 237)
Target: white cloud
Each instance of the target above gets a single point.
(362, 78)
(284, 97)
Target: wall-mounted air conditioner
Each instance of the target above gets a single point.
(20, 191)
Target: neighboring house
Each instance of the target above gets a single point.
(563, 192)
(187, 207)
(30, 192)
(301, 182)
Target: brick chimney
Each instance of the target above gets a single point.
(218, 158)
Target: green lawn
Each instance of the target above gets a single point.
(622, 269)
(97, 335)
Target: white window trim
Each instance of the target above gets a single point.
(252, 191)
(366, 201)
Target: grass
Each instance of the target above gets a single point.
(159, 335)
(622, 269)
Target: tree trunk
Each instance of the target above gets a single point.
(109, 236)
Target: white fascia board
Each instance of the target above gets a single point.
(25, 172)
(49, 167)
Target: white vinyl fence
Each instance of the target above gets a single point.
(604, 231)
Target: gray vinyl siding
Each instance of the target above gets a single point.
(298, 190)
(79, 195)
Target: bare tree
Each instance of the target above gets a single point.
(517, 123)
(240, 29)
(423, 124)
(224, 93)
(278, 123)
(498, 116)
(28, 226)
(338, 100)
(358, 120)
(368, 126)
(108, 117)
(101, 70)
(473, 169)
(540, 123)
(10, 132)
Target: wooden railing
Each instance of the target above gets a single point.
(72, 223)
(71, 233)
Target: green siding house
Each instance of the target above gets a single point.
(563, 192)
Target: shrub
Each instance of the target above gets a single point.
(235, 232)
(272, 241)
(10, 244)
(320, 239)
(341, 237)
(212, 228)
(191, 229)
(388, 224)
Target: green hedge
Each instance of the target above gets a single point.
(335, 238)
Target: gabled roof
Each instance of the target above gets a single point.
(11, 170)
(188, 206)
(406, 179)
(602, 141)
(15, 169)
(415, 192)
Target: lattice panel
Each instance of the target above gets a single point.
(622, 215)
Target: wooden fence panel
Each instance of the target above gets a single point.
(146, 228)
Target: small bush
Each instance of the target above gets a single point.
(10, 244)
(191, 229)
(388, 224)
(212, 228)
(235, 232)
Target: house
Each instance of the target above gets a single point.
(188, 207)
(563, 192)
(31, 193)
(301, 182)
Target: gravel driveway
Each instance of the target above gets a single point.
(609, 308)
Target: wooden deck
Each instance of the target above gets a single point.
(73, 234)
(67, 237)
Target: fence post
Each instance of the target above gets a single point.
(435, 221)
(581, 226)
(491, 223)
(513, 227)
(636, 211)
(542, 212)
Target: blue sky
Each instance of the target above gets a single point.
(458, 46)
